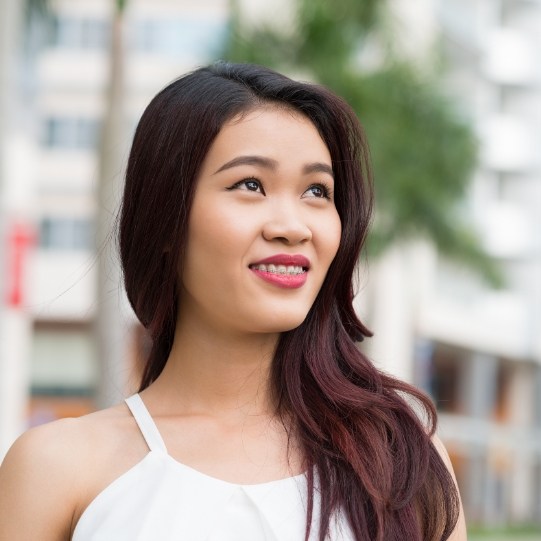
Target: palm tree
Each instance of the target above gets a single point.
(423, 154)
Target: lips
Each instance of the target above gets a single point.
(286, 260)
(283, 270)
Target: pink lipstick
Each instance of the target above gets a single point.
(283, 270)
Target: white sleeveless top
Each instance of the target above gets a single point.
(160, 499)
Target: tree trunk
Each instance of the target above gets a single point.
(111, 326)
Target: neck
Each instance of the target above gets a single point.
(218, 374)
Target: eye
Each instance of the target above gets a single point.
(248, 184)
(320, 191)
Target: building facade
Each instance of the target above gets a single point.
(476, 350)
(67, 95)
(479, 349)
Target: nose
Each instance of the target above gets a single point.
(286, 224)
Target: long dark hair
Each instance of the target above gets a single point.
(366, 450)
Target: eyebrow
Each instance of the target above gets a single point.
(318, 167)
(269, 163)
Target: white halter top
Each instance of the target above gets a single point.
(160, 499)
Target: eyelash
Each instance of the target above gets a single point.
(325, 189)
(245, 181)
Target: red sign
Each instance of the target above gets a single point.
(20, 238)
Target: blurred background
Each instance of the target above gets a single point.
(449, 93)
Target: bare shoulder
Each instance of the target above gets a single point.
(459, 533)
(51, 471)
(64, 444)
(38, 473)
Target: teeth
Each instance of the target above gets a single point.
(280, 269)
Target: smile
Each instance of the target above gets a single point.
(279, 269)
(288, 271)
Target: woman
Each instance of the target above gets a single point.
(246, 204)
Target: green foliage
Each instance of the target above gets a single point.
(120, 6)
(423, 154)
(518, 533)
(347, 21)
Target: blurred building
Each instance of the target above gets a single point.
(164, 38)
(476, 350)
(479, 350)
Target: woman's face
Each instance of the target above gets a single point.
(263, 227)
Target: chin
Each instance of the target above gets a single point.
(283, 323)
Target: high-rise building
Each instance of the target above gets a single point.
(479, 349)
(163, 39)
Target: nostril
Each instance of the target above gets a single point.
(287, 232)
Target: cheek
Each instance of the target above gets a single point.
(331, 233)
(215, 237)
(210, 237)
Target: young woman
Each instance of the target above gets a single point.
(246, 204)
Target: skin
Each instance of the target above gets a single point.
(211, 403)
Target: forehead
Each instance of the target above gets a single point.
(273, 131)
(270, 109)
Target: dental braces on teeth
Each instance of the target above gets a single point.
(280, 269)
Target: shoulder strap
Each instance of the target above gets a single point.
(146, 424)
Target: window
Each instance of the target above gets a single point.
(194, 38)
(71, 132)
(442, 372)
(80, 33)
(445, 385)
(63, 360)
(66, 234)
(63, 372)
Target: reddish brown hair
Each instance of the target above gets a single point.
(373, 457)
